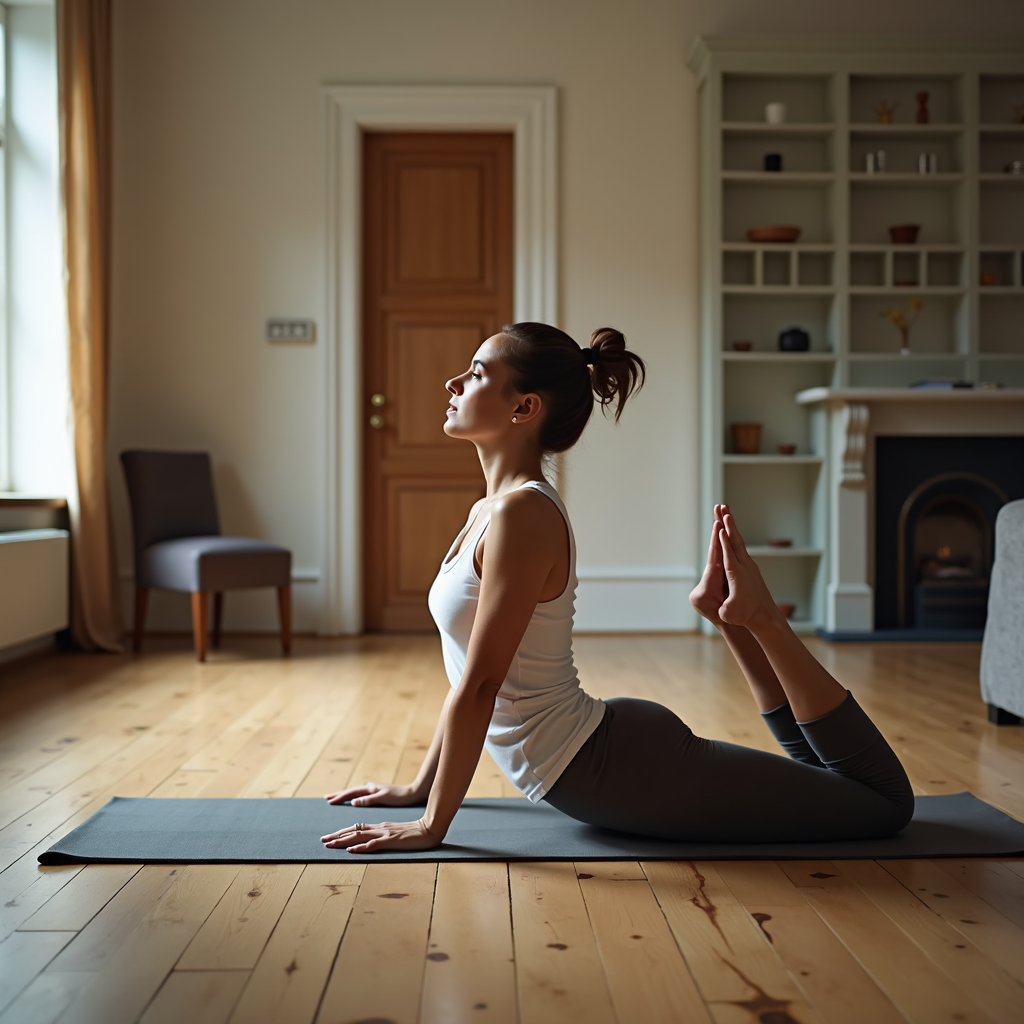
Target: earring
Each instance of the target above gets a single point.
(514, 419)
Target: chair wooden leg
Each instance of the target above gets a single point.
(218, 615)
(284, 608)
(141, 600)
(200, 621)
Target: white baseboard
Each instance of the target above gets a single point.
(635, 600)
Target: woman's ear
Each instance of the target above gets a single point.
(529, 408)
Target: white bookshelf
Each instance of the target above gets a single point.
(844, 268)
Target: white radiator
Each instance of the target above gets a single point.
(33, 584)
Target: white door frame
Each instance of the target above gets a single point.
(349, 110)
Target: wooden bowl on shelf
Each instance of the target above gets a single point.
(780, 542)
(786, 609)
(773, 233)
(904, 234)
(742, 346)
(787, 449)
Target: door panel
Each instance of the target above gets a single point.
(423, 356)
(437, 272)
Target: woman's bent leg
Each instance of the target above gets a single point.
(644, 771)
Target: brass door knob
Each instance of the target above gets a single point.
(376, 421)
(377, 400)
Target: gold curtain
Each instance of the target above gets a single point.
(84, 78)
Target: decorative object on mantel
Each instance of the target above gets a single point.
(773, 233)
(885, 109)
(742, 346)
(780, 542)
(922, 106)
(787, 449)
(904, 234)
(746, 438)
(773, 161)
(775, 113)
(991, 385)
(786, 609)
(903, 320)
(941, 384)
(795, 339)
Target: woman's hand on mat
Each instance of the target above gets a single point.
(373, 794)
(749, 602)
(712, 590)
(388, 835)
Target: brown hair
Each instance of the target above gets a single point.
(545, 360)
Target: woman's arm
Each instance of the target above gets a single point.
(375, 794)
(521, 551)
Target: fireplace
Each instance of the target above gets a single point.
(936, 500)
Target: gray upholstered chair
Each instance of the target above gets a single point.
(1002, 651)
(178, 544)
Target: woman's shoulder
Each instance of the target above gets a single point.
(529, 511)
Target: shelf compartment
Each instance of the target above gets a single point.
(1003, 266)
(999, 147)
(749, 204)
(1008, 371)
(761, 318)
(998, 96)
(1000, 216)
(941, 327)
(902, 150)
(945, 97)
(806, 157)
(892, 269)
(1001, 324)
(875, 208)
(769, 501)
(762, 392)
(901, 371)
(808, 98)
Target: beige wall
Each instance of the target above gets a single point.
(219, 224)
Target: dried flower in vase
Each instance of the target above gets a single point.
(903, 320)
(885, 109)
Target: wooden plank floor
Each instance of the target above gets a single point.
(731, 942)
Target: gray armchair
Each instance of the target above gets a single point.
(1002, 650)
(178, 544)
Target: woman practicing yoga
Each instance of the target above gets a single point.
(503, 602)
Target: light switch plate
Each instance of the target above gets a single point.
(281, 329)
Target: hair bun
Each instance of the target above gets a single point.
(617, 371)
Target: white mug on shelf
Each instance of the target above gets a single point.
(775, 113)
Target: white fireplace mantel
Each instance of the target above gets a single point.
(845, 422)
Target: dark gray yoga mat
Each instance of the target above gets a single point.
(135, 830)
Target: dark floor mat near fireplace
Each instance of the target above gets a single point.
(193, 831)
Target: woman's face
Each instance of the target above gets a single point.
(481, 402)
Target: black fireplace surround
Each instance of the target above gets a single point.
(936, 500)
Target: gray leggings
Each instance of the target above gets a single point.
(643, 771)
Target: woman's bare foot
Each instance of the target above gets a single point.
(712, 590)
(749, 602)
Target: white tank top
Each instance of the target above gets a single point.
(541, 716)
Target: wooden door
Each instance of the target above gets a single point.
(437, 272)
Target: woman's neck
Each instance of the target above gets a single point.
(509, 467)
